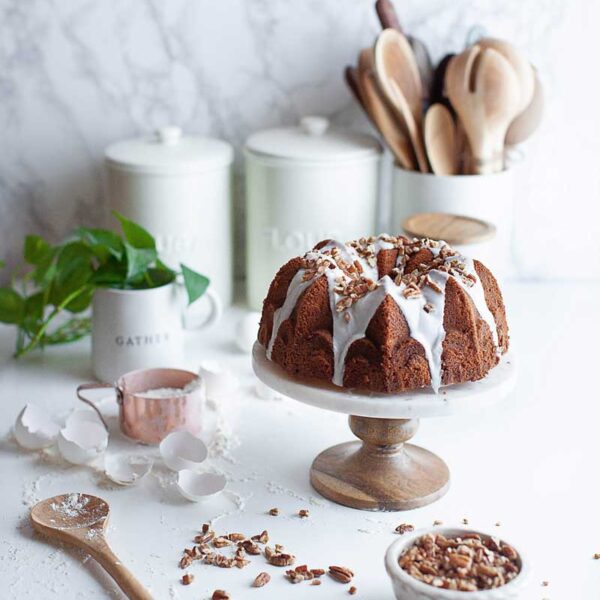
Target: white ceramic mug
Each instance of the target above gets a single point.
(141, 329)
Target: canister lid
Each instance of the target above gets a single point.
(313, 140)
(453, 229)
(168, 151)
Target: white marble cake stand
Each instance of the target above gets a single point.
(383, 472)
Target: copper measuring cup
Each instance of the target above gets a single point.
(149, 419)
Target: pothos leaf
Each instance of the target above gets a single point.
(195, 283)
(135, 235)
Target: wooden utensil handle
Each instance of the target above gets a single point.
(387, 15)
(123, 577)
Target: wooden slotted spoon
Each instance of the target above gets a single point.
(399, 80)
(484, 91)
(81, 520)
(523, 69)
(380, 114)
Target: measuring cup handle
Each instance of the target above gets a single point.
(93, 386)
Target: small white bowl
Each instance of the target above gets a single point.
(407, 587)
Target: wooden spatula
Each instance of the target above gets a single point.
(381, 115)
(440, 140)
(484, 91)
(80, 520)
(398, 78)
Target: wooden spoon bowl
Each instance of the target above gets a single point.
(81, 520)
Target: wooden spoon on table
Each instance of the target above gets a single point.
(528, 121)
(399, 80)
(389, 19)
(484, 91)
(80, 520)
(380, 114)
(440, 140)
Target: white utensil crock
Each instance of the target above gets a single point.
(486, 197)
(179, 189)
(305, 184)
(140, 329)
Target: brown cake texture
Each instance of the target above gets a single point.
(454, 303)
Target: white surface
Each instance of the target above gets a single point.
(451, 400)
(530, 463)
(79, 75)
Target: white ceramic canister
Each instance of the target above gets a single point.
(489, 198)
(179, 188)
(305, 184)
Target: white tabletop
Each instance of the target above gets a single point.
(530, 463)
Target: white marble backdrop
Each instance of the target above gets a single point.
(76, 75)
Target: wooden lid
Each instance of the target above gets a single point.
(454, 229)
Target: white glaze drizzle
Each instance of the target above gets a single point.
(295, 289)
(425, 327)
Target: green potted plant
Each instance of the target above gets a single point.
(135, 298)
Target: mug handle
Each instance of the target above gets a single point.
(215, 312)
(94, 386)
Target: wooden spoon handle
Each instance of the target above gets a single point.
(387, 15)
(131, 587)
(413, 128)
(351, 76)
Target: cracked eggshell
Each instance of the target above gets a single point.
(34, 428)
(182, 450)
(220, 382)
(199, 486)
(127, 470)
(246, 331)
(83, 438)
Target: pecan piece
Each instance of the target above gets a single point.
(261, 538)
(341, 574)
(261, 580)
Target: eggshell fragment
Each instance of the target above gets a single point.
(199, 486)
(83, 438)
(34, 428)
(127, 470)
(220, 382)
(183, 450)
(246, 331)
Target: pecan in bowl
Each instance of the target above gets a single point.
(445, 563)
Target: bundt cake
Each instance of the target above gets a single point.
(384, 314)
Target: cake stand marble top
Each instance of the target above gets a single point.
(419, 403)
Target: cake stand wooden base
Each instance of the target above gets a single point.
(383, 472)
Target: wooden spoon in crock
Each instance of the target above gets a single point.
(399, 80)
(440, 140)
(381, 115)
(484, 91)
(81, 520)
